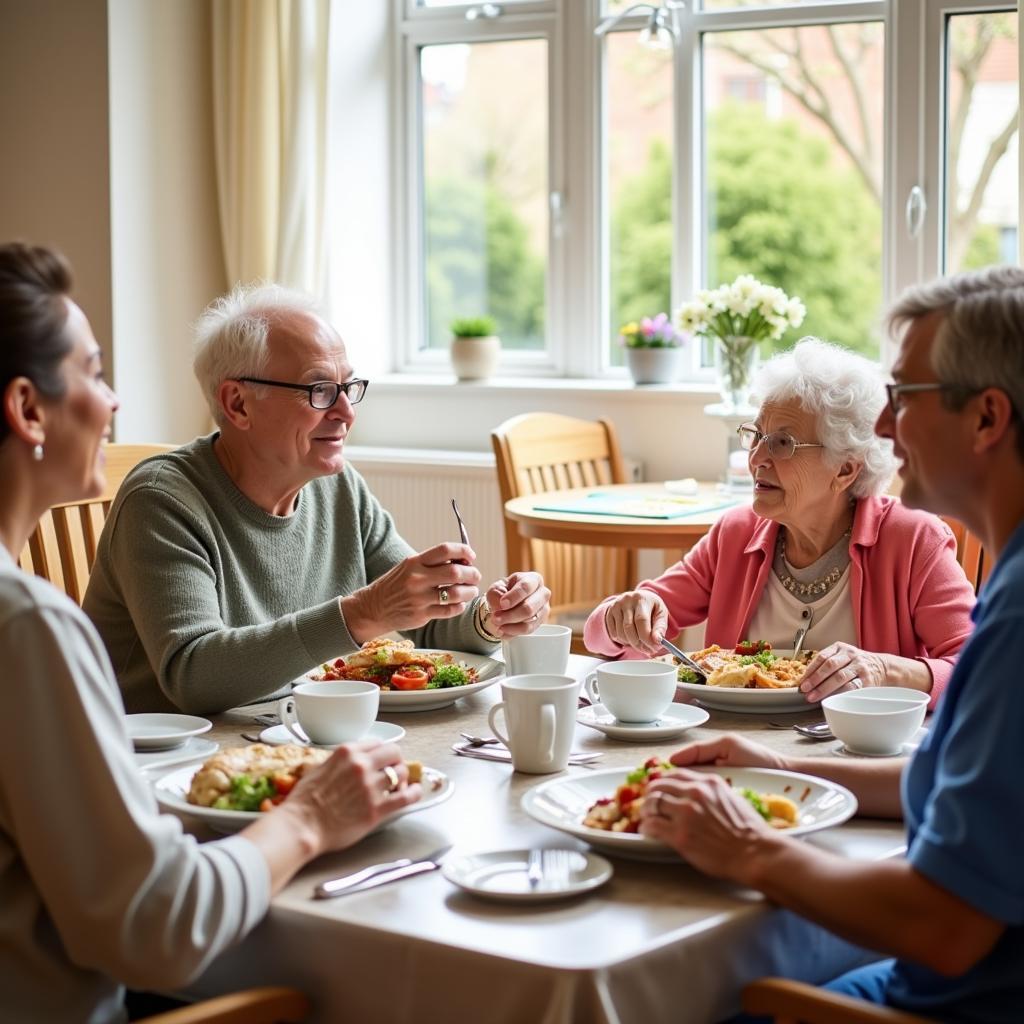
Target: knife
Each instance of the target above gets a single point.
(685, 659)
(583, 757)
(379, 874)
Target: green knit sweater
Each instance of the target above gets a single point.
(205, 601)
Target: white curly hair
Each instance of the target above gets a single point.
(845, 393)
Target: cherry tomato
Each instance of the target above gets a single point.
(626, 795)
(412, 678)
(751, 647)
(284, 784)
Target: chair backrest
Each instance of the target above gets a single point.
(62, 547)
(969, 553)
(540, 452)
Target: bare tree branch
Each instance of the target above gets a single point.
(857, 88)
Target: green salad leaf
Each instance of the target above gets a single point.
(246, 794)
(756, 802)
(448, 675)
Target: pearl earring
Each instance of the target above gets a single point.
(37, 453)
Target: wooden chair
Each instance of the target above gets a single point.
(253, 1006)
(970, 553)
(540, 452)
(793, 1002)
(62, 547)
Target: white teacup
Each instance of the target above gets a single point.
(540, 713)
(633, 691)
(331, 712)
(544, 651)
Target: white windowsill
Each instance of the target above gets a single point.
(701, 392)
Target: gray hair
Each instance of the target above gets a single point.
(980, 342)
(845, 393)
(231, 334)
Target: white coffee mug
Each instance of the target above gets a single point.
(332, 712)
(633, 691)
(545, 650)
(540, 713)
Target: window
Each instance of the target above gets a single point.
(565, 182)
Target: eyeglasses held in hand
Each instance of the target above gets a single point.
(781, 445)
(323, 394)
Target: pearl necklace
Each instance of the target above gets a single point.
(820, 585)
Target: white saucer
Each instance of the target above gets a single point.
(502, 875)
(195, 748)
(905, 750)
(675, 719)
(158, 731)
(278, 735)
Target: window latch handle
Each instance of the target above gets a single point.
(917, 207)
(556, 202)
(487, 11)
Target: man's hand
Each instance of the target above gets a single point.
(516, 605)
(438, 583)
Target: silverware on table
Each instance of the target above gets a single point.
(479, 741)
(535, 867)
(816, 731)
(251, 737)
(685, 659)
(379, 874)
(583, 758)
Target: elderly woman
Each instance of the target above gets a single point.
(879, 583)
(233, 565)
(98, 887)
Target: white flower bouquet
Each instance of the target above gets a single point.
(739, 316)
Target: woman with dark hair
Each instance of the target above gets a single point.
(98, 888)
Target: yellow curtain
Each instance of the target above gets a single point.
(270, 68)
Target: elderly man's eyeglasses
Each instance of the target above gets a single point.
(781, 445)
(323, 394)
(895, 391)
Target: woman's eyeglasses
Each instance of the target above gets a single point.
(781, 445)
(323, 394)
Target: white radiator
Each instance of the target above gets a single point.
(417, 487)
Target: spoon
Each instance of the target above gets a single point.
(817, 731)
(685, 659)
(479, 741)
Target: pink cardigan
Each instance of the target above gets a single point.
(909, 594)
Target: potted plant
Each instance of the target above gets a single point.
(653, 349)
(739, 316)
(476, 347)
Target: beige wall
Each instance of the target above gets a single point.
(165, 235)
(54, 165)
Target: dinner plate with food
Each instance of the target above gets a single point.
(603, 807)
(411, 678)
(751, 678)
(232, 788)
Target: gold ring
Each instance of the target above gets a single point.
(443, 596)
(392, 776)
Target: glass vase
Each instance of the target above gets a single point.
(735, 361)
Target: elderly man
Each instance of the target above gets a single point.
(234, 564)
(951, 912)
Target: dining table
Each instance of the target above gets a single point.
(659, 942)
(671, 520)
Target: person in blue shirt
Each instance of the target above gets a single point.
(951, 913)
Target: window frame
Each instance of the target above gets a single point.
(577, 278)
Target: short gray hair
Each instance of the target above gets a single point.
(980, 342)
(845, 393)
(231, 335)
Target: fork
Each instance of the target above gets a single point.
(463, 534)
(479, 741)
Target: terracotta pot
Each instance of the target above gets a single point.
(475, 358)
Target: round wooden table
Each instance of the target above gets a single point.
(677, 534)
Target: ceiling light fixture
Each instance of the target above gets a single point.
(661, 30)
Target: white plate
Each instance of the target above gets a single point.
(158, 731)
(501, 875)
(488, 671)
(906, 749)
(675, 719)
(278, 735)
(171, 789)
(195, 748)
(563, 803)
(786, 700)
